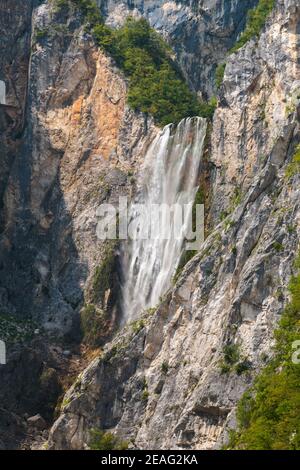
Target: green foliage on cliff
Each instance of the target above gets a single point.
(255, 22)
(15, 330)
(88, 8)
(101, 440)
(93, 322)
(294, 167)
(269, 413)
(219, 76)
(104, 274)
(156, 85)
(41, 34)
(233, 361)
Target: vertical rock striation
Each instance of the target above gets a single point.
(168, 383)
(201, 32)
(68, 143)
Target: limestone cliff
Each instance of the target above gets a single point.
(168, 390)
(200, 32)
(68, 143)
(79, 143)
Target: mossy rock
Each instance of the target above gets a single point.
(94, 325)
(16, 330)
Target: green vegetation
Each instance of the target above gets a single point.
(185, 258)
(236, 199)
(223, 215)
(278, 247)
(145, 395)
(88, 9)
(145, 392)
(93, 321)
(231, 355)
(14, 329)
(104, 274)
(156, 85)
(41, 33)
(60, 4)
(137, 325)
(65, 402)
(269, 413)
(101, 440)
(293, 168)
(255, 22)
(228, 224)
(232, 360)
(164, 367)
(219, 76)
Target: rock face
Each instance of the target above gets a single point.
(15, 20)
(68, 143)
(201, 32)
(79, 144)
(161, 385)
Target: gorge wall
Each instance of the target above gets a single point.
(200, 32)
(70, 143)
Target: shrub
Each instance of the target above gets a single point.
(269, 414)
(232, 360)
(104, 275)
(243, 366)
(255, 22)
(93, 323)
(16, 330)
(145, 395)
(137, 326)
(41, 33)
(236, 199)
(293, 168)
(90, 11)
(145, 392)
(219, 76)
(101, 440)
(156, 86)
(103, 36)
(61, 3)
(278, 246)
(231, 354)
(234, 250)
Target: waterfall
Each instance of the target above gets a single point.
(169, 176)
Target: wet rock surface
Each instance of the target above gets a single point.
(169, 388)
(159, 385)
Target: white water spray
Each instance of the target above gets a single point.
(169, 176)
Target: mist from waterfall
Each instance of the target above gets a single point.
(169, 176)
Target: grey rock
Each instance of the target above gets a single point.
(228, 293)
(37, 422)
(201, 32)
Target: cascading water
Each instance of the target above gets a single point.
(169, 176)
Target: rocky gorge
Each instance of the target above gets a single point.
(69, 142)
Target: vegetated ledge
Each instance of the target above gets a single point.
(256, 20)
(268, 414)
(156, 85)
